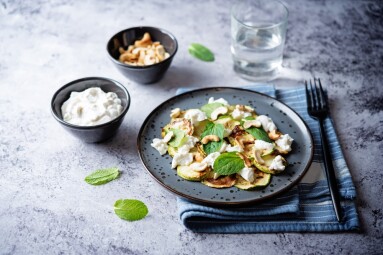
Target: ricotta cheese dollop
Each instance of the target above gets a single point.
(91, 107)
(277, 164)
(284, 142)
(195, 116)
(267, 123)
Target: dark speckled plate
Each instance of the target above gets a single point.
(283, 116)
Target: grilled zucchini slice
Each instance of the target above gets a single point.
(189, 174)
(261, 180)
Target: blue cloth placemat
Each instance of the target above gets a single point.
(305, 208)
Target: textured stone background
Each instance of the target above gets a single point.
(47, 208)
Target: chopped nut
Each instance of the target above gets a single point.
(198, 157)
(209, 138)
(274, 135)
(245, 159)
(248, 109)
(168, 136)
(121, 50)
(220, 110)
(145, 41)
(149, 60)
(160, 52)
(198, 166)
(251, 123)
(257, 157)
(240, 107)
(130, 48)
(175, 113)
(244, 108)
(126, 56)
(144, 52)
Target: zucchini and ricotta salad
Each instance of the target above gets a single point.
(223, 145)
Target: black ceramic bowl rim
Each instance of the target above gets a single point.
(149, 66)
(122, 114)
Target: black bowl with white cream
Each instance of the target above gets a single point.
(92, 108)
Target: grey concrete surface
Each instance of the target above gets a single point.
(47, 208)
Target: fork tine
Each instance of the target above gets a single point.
(318, 95)
(322, 95)
(313, 96)
(308, 97)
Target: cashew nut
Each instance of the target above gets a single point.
(245, 159)
(144, 52)
(199, 167)
(126, 56)
(209, 138)
(252, 123)
(274, 135)
(257, 157)
(198, 157)
(244, 108)
(175, 113)
(168, 136)
(160, 51)
(248, 109)
(149, 60)
(145, 41)
(121, 50)
(218, 111)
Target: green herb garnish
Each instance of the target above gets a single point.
(178, 138)
(130, 209)
(201, 52)
(259, 134)
(102, 176)
(228, 163)
(209, 108)
(213, 129)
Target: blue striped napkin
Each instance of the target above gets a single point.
(305, 208)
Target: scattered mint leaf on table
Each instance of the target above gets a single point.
(102, 176)
(201, 52)
(130, 209)
(228, 163)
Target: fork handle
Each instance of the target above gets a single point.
(330, 172)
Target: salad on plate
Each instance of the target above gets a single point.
(223, 145)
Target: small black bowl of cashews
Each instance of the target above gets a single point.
(142, 54)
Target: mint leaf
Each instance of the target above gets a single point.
(211, 147)
(178, 138)
(259, 134)
(213, 129)
(201, 52)
(130, 209)
(228, 163)
(209, 108)
(102, 176)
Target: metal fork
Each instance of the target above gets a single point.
(317, 108)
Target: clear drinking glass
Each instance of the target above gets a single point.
(258, 33)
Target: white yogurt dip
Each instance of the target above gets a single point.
(91, 107)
